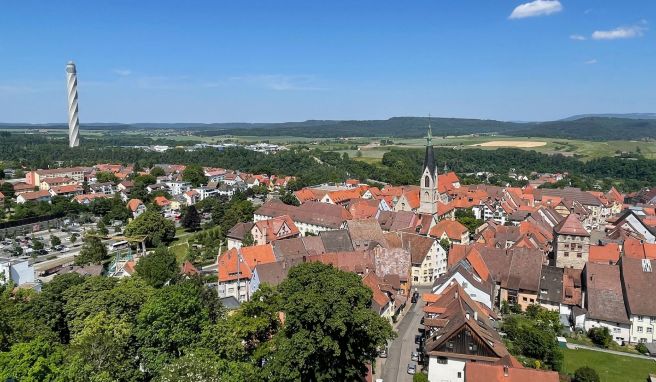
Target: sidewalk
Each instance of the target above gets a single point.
(585, 347)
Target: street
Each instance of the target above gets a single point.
(394, 367)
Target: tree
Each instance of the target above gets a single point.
(420, 377)
(54, 240)
(642, 348)
(586, 374)
(445, 244)
(169, 322)
(106, 177)
(37, 360)
(7, 190)
(74, 238)
(37, 244)
(600, 336)
(204, 365)
(530, 338)
(102, 228)
(157, 268)
(49, 304)
(328, 321)
(157, 229)
(194, 174)
(289, 198)
(104, 348)
(157, 171)
(93, 250)
(248, 240)
(190, 219)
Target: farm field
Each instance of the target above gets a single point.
(610, 367)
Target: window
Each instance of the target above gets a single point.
(639, 329)
(640, 318)
(442, 360)
(616, 330)
(426, 181)
(525, 299)
(579, 254)
(460, 374)
(649, 329)
(566, 254)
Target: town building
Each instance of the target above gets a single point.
(571, 243)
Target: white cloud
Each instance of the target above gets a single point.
(122, 72)
(577, 37)
(591, 62)
(536, 8)
(621, 32)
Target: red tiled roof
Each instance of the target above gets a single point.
(34, 195)
(272, 227)
(133, 204)
(66, 189)
(635, 249)
(607, 254)
(249, 258)
(453, 229)
(379, 297)
(480, 372)
(571, 226)
(161, 201)
(189, 269)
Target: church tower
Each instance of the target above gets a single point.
(429, 195)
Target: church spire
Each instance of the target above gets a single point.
(429, 136)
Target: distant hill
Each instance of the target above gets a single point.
(624, 116)
(576, 127)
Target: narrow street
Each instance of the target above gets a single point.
(394, 367)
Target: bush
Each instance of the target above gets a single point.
(642, 348)
(600, 336)
(586, 374)
(420, 377)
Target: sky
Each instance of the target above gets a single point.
(273, 61)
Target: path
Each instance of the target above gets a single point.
(577, 346)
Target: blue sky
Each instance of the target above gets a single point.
(258, 61)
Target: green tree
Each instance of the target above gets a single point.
(204, 365)
(328, 322)
(248, 240)
(37, 244)
(157, 171)
(642, 348)
(102, 228)
(169, 322)
(35, 361)
(106, 177)
(289, 198)
(157, 229)
(445, 244)
(49, 304)
(194, 174)
(158, 267)
(54, 240)
(7, 190)
(104, 347)
(74, 238)
(600, 336)
(93, 250)
(190, 219)
(586, 374)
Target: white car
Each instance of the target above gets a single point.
(412, 368)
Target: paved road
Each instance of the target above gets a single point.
(394, 367)
(577, 346)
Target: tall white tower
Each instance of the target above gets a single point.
(73, 120)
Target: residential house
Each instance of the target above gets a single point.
(34, 178)
(68, 191)
(638, 281)
(309, 217)
(604, 301)
(237, 233)
(450, 230)
(191, 197)
(381, 303)
(86, 199)
(267, 231)
(136, 206)
(178, 187)
(428, 258)
(235, 269)
(551, 288)
(18, 271)
(106, 188)
(608, 253)
(47, 183)
(571, 243)
(482, 372)
(34, 196)
(479, 288)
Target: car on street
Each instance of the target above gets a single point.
(414, 356)
(412, 368)
(415, 297)
(382, 353)
(418, 338)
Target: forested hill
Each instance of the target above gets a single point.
(589, 128)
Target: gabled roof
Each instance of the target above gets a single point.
(551, 284)
(639, 279)
(417, 245)
(321, 214)
(604, 298)
(34, 195)
(336, 241)
(161, 201)
(272, 273)
(638, 249)
(356, 262)
(248, 257)
(453, 229)
(189, 269)
(133, 204)
(272, 228)
(608, 253)
(379, 298)
(571, 226)
(366, 230)
(480, 372)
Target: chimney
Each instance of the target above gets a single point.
(505, 370)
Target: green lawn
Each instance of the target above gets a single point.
(611, 367)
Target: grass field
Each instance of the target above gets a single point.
(611, 368)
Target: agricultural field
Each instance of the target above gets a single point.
(610, 367)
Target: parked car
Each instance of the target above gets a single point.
(414, 356)
(382, 353)
(412, 368)
(418, 338)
